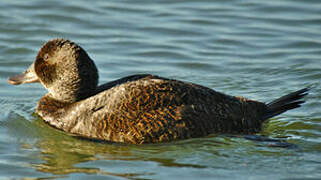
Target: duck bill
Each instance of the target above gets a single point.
(29, 76)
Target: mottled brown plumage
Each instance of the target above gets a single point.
(140, 108)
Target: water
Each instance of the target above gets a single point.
(258, 49)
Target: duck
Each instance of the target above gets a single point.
(141, 108)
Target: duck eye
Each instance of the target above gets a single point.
(45, 57)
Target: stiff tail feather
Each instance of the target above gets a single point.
(285, 103)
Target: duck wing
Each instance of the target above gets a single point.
(152, 109)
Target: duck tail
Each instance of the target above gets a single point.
(285, 103)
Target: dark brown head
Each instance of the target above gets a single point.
(64, 68)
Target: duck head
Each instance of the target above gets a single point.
(64, 69)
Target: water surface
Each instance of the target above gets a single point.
(258, 49)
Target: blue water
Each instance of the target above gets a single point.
(258, 49)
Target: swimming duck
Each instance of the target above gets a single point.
(140, 108)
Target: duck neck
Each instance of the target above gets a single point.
(52, 110)
(70, 93)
